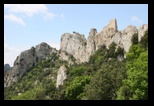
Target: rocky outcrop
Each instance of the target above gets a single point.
(61, 76)
(82, 49)
(64, 55)
(43, 50)
(110, 29)
(90, 45)
(6, 67)
(123, 38)
(105, 36)
(126, 37)
(67, 57)
(74, 44)
(141, 30)
(26, 60)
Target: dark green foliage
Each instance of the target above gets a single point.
(77, 71)
(144, 40)
(134, 52)
(135, 86)
(120, 51)
(99, 57)
(134, 38)
(111, 51)
(105, 82)
(76, 87)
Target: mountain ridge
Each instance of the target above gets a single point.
(75, 45)
(82, 48)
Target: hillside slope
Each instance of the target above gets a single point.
(108, 65)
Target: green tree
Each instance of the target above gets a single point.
(76, 87)
(120, 51)
(77, 71)
(134, 38)
(135, 86)
(111, 51)
(105, 82)
(144, 40)
(134, 52)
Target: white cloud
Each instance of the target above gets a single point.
(15, 19)
(135, 18)
(29, 9)
(49, 16)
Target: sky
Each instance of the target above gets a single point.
(27, 25)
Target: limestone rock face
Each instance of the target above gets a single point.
(95, 40)
(123, 38)
(126, 37)
(26, 60)
(64, 55)
(110, 29)
(117, 38)
(104, 37)
(74, 44)
(90, 45)
(61, 76)
(82, 49)
(92, 32)
(67, 57)
(43, 50)
(141, 30)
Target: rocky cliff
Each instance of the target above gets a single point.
(82, 48)
(74, 44)
(26, 60)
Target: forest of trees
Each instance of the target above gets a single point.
(104, 77)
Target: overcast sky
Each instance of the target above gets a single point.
(29, 25)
